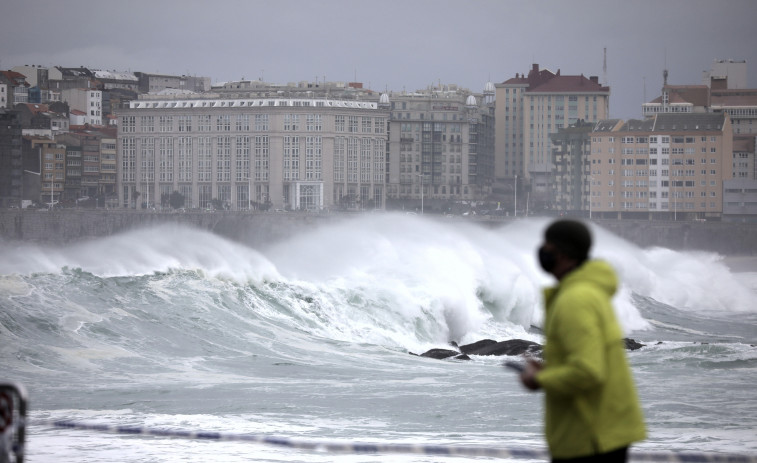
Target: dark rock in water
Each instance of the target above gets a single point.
(510, 347)
(469, 348)
(440, 353)
(632, 345)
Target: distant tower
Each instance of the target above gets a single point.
(604, 68)
(489, 92)
(665, 95)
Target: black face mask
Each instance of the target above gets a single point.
(547, 259)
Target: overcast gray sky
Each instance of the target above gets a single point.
(389, 44)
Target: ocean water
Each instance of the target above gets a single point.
(179, 329)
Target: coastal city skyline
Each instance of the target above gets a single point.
(391, 46)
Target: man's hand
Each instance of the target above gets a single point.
(528, 376)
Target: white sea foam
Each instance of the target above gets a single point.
(309, 340)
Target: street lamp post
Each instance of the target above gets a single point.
(591, 181)
(515, 200)
(421, 176)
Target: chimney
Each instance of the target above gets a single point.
(594, 79)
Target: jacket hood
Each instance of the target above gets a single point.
(597, 272)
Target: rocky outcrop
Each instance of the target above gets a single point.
(632, 345)
(510, 347)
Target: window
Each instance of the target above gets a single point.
(223, 123)
(203, 123)
(165, 123)
(261, 122)
(291, 122)
(243, 123)
(185, 123)
(147, 123)
(223, 159)
(128, 124)
(243, 158)
(313, 123)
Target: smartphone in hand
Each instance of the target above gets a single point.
(517, 366)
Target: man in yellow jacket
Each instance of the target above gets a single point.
(592, 409)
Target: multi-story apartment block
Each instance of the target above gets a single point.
(90, 155)
(61, 78)
(108, 169)
(73, 169)
(18, 88)
(154, 83)
(11, 160)
(434, 145)
(41, 120)
(114, 79)
(36, 76)
(87, 100)
(286, 153)
(732, 71)
(532, 107)
(571, 151)
(52, 172)
(668, 166)
(744, 165)
(741, 107)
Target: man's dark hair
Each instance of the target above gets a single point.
(570, 237)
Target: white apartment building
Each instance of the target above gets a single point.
(245, 153)
(87, 100)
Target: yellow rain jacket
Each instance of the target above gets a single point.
(591, 402)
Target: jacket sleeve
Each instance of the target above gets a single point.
(576, 330)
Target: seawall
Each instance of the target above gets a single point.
(263, 228)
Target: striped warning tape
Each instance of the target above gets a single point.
(375, 448)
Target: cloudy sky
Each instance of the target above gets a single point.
(389, 44)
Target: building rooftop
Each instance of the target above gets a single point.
(607, 125)
(637, 125)
(259, 102)
(544, 80)
(668, 122)
(734, 100)
(114, 75)
(665, 122)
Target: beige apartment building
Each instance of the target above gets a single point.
(668, 166)
(303, 153)
(529, 109)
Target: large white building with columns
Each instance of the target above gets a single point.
(296, 154)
